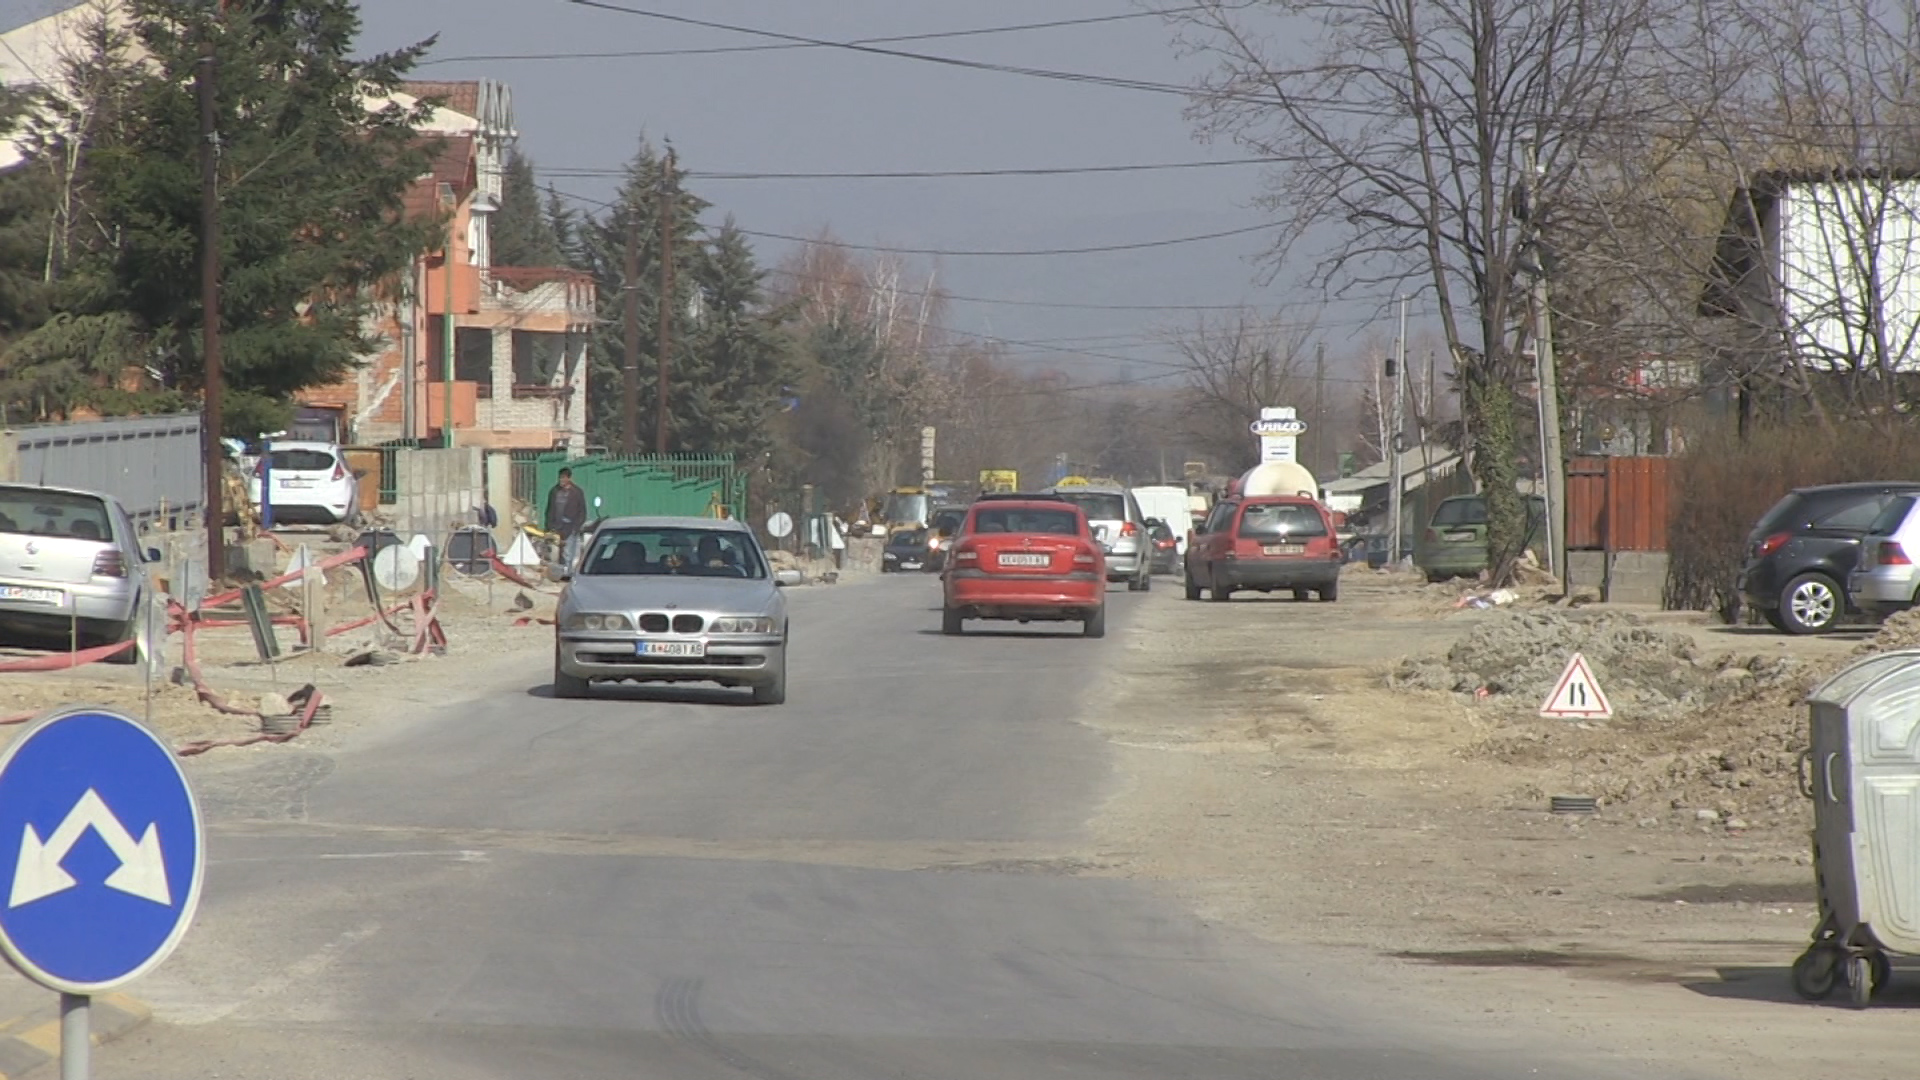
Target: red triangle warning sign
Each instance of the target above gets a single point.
(1577, 696)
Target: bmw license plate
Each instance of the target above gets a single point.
(688, 649)
(1018, 559)
(23, 594)
(1284, 549)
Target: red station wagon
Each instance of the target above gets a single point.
(1262, 543)
(1034, 560)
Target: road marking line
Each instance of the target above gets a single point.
(305, 968)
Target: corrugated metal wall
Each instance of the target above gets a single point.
(152, 464)
(1617, 504)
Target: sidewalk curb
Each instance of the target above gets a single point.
(30, 1041)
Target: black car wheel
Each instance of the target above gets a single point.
(1810, 604)
(1193, 587)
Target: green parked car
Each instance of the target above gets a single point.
(1454, 543)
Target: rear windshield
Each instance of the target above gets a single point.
(1889, 520)
(32, 512)
(1098, 505)
(301, 460)
(1281, 519)
(1461, 512)
(1013, 520)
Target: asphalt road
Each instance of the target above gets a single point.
(880, 879)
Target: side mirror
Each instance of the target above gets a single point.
(784, 578)
(1339, 520)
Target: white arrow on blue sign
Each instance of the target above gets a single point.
(101, 839)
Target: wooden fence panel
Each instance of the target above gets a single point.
(1617, 503)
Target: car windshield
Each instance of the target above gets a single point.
(910, 538)
(26, 511)
(1098, 505)
(1472, 511)
(1281, 519)
(682, 552)
(301, 460)
(1018, 520)
(904, 507)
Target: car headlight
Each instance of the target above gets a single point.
(590, 621)
(759, 624)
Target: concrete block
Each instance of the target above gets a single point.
(1635, 577)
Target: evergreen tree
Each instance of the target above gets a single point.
(740, 351)
(312, 184)
(522, 234)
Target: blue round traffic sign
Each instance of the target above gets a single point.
(101, 850)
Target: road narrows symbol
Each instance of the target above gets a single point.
(1577, 694)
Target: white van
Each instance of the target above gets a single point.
(1170, 504)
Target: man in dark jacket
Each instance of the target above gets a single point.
(567, 515)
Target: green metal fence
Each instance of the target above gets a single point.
(677, 484)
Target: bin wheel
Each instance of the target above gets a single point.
(1860, 980)
(1815, 972)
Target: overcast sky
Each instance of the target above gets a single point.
(822, 109)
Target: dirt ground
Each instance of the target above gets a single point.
(478, 619)
(1373, 775)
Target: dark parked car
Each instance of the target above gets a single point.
(1801, 552)
(1166, 547)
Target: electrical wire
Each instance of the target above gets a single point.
(929, 174)
(1015, 253)
(721, 50)
(961, 253)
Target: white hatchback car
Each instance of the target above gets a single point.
(311, 484)
(1886, 578)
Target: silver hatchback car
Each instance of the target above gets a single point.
(1119, 526)
(70, 566)
(1886, 578)
(666, 599)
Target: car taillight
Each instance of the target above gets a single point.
(1084, 558)
(110, 563)
(1128, 528)
(1772, 544)
(967, 555)
(1892, 554)
(339, 471)
(260, 468)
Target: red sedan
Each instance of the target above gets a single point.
(1033, 559)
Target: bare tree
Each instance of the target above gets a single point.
(1238, 364)
(1434, 137)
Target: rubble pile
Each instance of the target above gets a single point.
(1700, 743)
(1517, 659)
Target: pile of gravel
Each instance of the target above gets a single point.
(1519, 656)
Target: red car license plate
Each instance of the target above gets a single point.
(1016, 559)
(1284, 549)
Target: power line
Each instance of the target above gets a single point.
(1011, 253)
(1014, 253)
(929, 174)
(722, 50)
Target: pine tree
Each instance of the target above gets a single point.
(740, 351)
(522, 233)
(312, 186)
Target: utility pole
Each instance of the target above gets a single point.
(212, 450)
(447, 331)
(1553, 465)
(1319, 404)
(630, 411)
(1395, 497)
(666, 299)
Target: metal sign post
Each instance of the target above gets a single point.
(83, 770)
